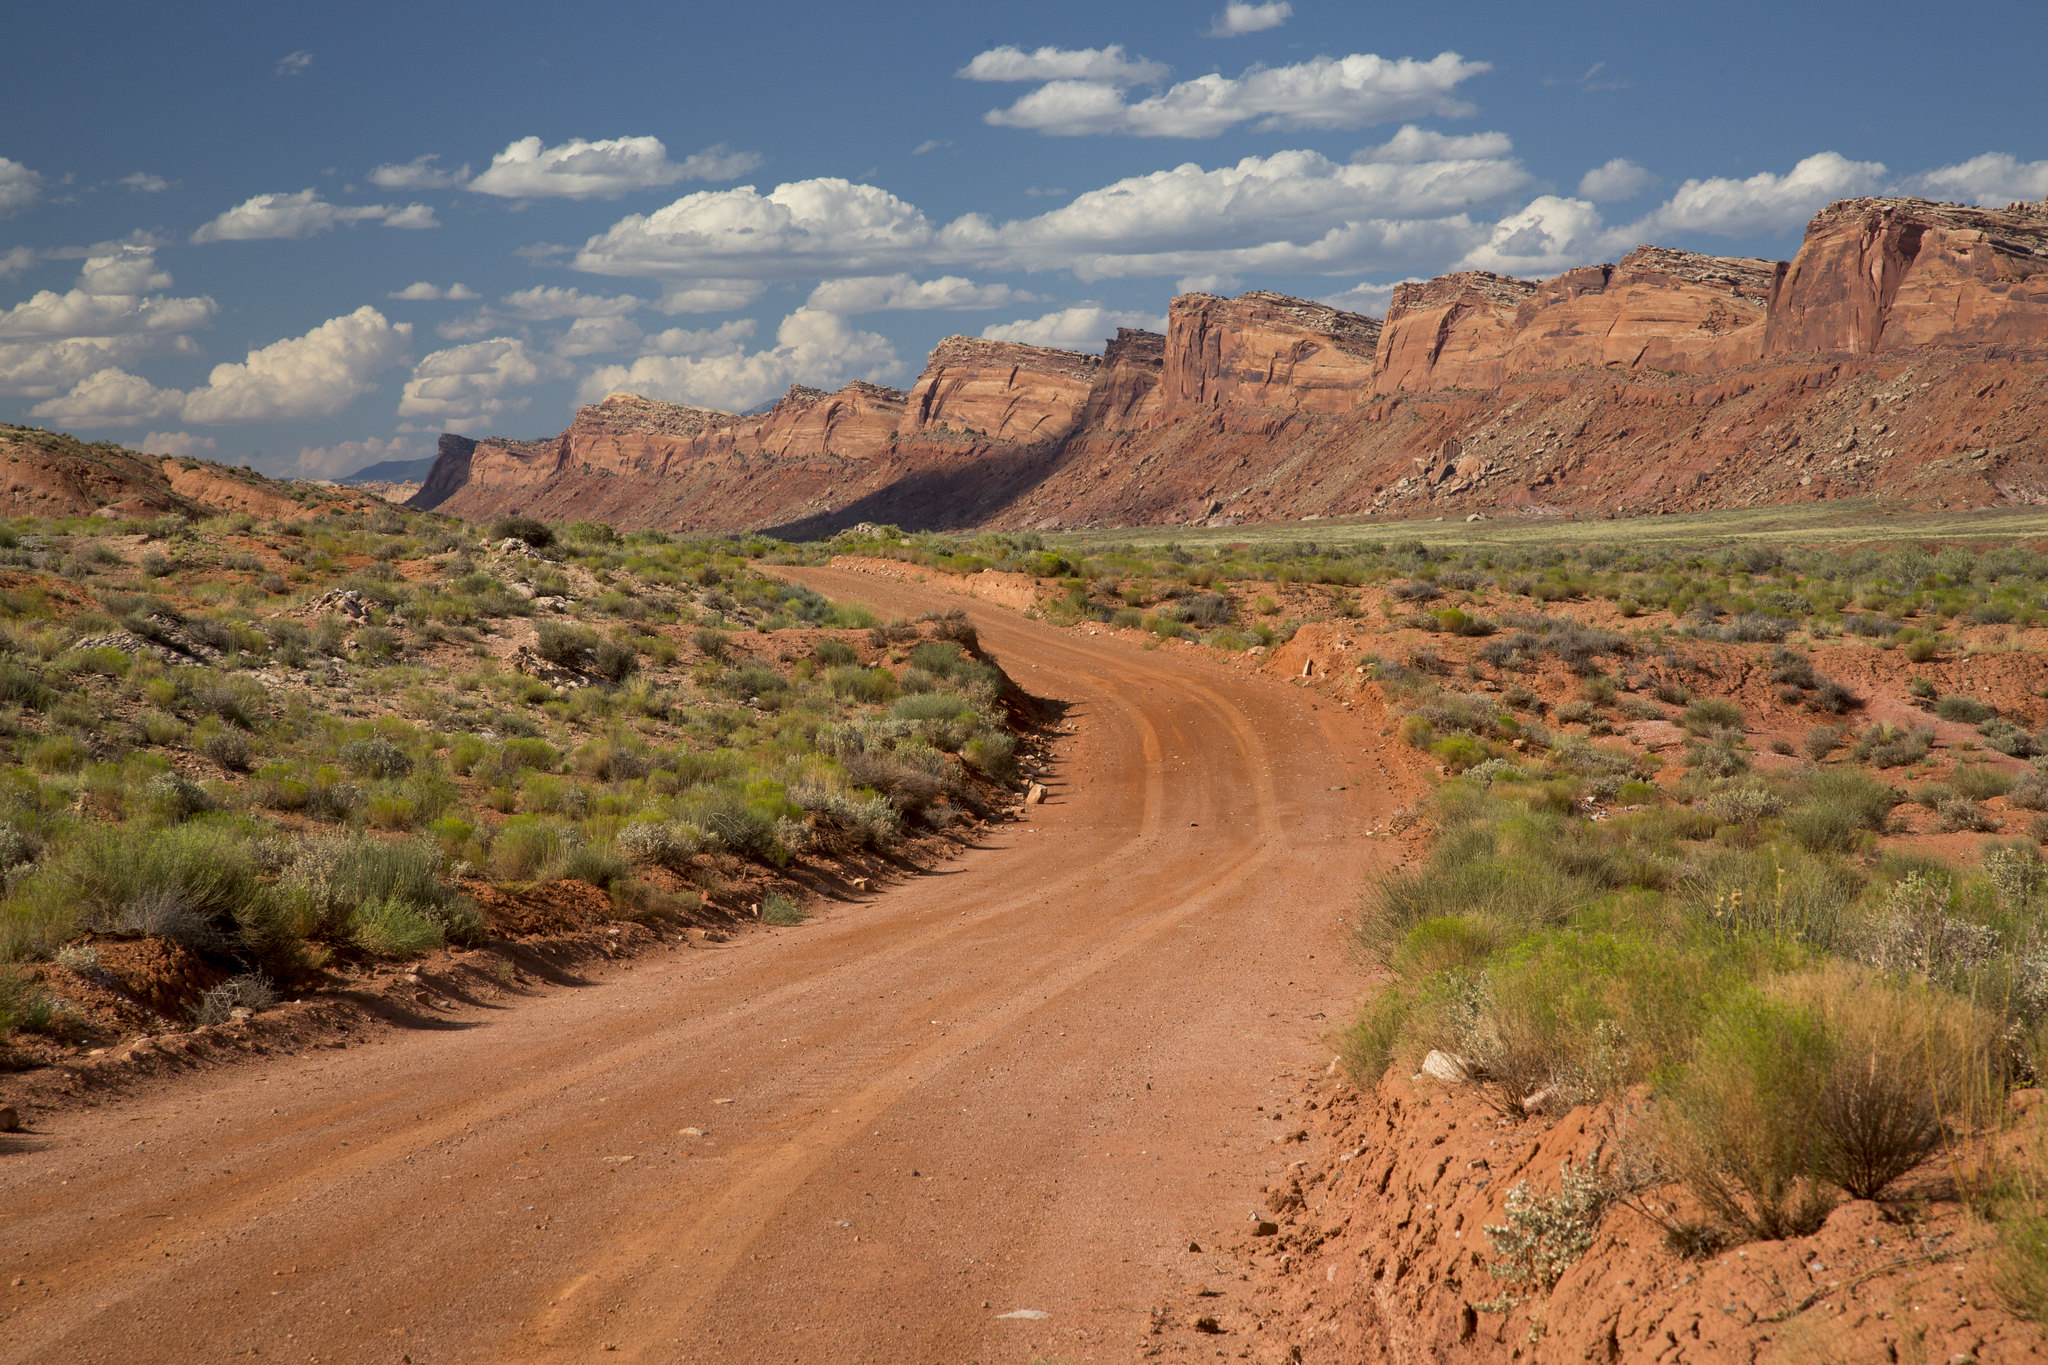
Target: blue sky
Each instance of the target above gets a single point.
(310, 239)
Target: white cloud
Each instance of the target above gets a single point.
(709, 296)
(470, 383)
(1764, 202)
(931, 144)
(598, 336)
(142, 182)
(1238, 18)
(579, 169)
(1323, 92)
(19, 187)
(292, 63)
(1084, 327)
(1413, 144)
(882, 293)
(1614, 180)
(304, 214)
(315, 375)
(420, 173)
(346, 457)
(16, 259)
(1992, 180)
(177, 443)
(811, 347)
(44, 369)
(546, 303)
(112, 316)
(726, 336)
(420, 289)
(1551, 235)
(1208, 284)
(1293, 210)
(807, 227)
(1106, 64)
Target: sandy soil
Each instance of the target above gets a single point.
(981, 1118)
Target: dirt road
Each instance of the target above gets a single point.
(1025, 1082)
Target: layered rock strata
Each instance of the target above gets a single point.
(1903, 354)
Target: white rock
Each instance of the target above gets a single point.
(1445, 1067)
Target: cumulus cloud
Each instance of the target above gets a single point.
(113, 315)
(1294, 210)
(1238, 18)
(422, 290)
(1208, 284)
(546, 303)
(304, 214)
(1994, 180)
(471, 383)
(1550, 235)
(1614, 180)
(1412, 145)
(420, 173)
(1084, 327)
(807, 227)
(1765, 202)
(1105, 64)
(598, 336)
(292, 63)
(346, 457)
(811, 347)
(142, 182)
(315, 375)
(181, 443)
(708, 295)
(886, 293)
(1323, 93)
(606, 169)
(19, 187)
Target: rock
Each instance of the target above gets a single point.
(1264, 1227)
(689, 1132)
(1036, 796)
(861, 884)
(1266, 350)
(999, 390)
(1446, 1067)
(1208, 1325)
(1538, 1103)
(10, 1122)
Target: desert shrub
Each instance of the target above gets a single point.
(1835, 806)
(1821, 741)
(22, 1005)
(1834, 698)
(533, 532)
(876, 686)
(931, 706)
(1966, 710)
(1904, 1059)
(713, 643)
(744, 828)
(1710, 714)
(1743, 1124)
(613, 661)
(1980, 781)
(669, 845)
(833, 652)
(780, 908)
(331, 875)
(1545, 1235)
(528, 849)
(2029, 793)
(251, 991)
(567, 645)
(1959, 815)
(597, 864)
(376, 757)
(228, 748)
(992, 752)
(392, 928)
(1914, 931)
(1888, 746)
(2004, 737)
(752, 680)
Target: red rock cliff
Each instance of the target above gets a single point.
(1000, 391)
(1886, 274)
(1268, 351)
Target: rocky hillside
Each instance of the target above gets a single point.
(1902, 354)
(52, 476)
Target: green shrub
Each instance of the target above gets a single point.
(561, 643)
(393, 928)
(1966, 710)
(526, 849)
(1980, 781)
(932, 706)
(596, 864)
(534, 533)
(876, 686)
(833, 652)
(1709, 714)
(1835, 806)
(781, 909)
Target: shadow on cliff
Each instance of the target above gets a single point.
(961, 491)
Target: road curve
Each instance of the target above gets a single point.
(977, 1118)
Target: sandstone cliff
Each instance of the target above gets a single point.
(1902, 355)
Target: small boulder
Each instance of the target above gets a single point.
(1036, 796)
(10, 1119)
(1446, 1067)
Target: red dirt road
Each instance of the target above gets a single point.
(1024, 1082)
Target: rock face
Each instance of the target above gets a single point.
(1267, 351)
(1877, 275)
(1902, 355)
(999, 391)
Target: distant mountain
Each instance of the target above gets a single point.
(1902, 355)
(390, 471)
